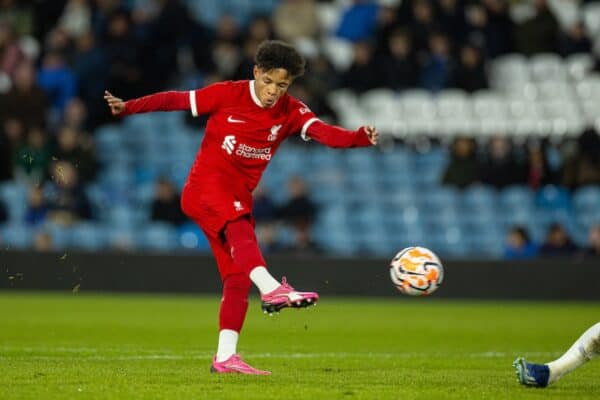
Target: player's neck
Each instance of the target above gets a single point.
(255, 97)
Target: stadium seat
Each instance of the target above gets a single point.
(553, 197)
(591, 18)
(14, 197)
(579, 65)
(157, 236)
(547, 67)
(587, 199)
(510, 68)
(339, 51)
(16, 235)
(61, 235)
(87, 236)
(190, 236)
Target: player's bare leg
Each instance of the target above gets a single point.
(583, 350)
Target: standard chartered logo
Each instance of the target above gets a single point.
(243, 150)
(228, 144)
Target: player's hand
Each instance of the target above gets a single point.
(116, 105)
(372, 134)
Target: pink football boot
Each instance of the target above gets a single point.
(235, 365)
(285, 296)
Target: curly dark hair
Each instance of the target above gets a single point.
(273, 54)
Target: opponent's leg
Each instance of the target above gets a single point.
(584, 349)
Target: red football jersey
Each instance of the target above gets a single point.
(241, 136)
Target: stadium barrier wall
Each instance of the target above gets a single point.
(120, 272)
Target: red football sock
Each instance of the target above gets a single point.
(234, 303)
(244, 246)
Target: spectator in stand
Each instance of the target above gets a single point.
(42, 241)
(33, 158)
(125, 74)
(318, 104)
(26, 101)
(76, 148)
(490, 27)
(575, 40)
(76, 18)
(593, 248)
(159, 25)
(89, 65)
(166, 205)
(6, 157)
(19, 14)
(500, 168)
(265, 214)
(226, 54)
(3, 213)
(75, 115)
(362, 74)
(296, 19)
(470, 74)
(359, 21)
(58, 81)
(540, 33)
(537, 171)
(323, 77)
(438, 67)
(37, 209)
(463, 168)
(518, 245)
(583, 167)
(11, 54)
(67, 202)
(451, 17)
(299, 211)
(558, 242)
(398, 67)
(421, 25)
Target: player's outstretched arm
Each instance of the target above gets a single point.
(162, 101)
(335, 136)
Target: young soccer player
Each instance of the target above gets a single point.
(542, 375)
(247, 122)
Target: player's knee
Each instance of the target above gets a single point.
(240, 231)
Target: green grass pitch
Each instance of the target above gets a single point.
(91, 346)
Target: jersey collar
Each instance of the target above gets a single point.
(255, 97)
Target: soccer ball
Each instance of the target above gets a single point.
(416, 271)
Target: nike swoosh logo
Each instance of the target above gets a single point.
(231, 120)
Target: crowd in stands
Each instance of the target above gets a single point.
(57, 57)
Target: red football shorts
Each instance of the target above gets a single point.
(212, 207)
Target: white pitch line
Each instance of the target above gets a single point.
(88, 353)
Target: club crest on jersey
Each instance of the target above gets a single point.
(229, 144)
(274, 131)
(238, 206)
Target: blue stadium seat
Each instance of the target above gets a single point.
(479, 197)
(122, 237)
(16, 235)
(157, 236)
(88, 236)
(190, 236)
(553, 197)
(517, 197)
(122, 216)
(14, 197)
(587, 198)
(61, 235)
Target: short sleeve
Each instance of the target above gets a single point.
(208, 99)
(301, 117)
